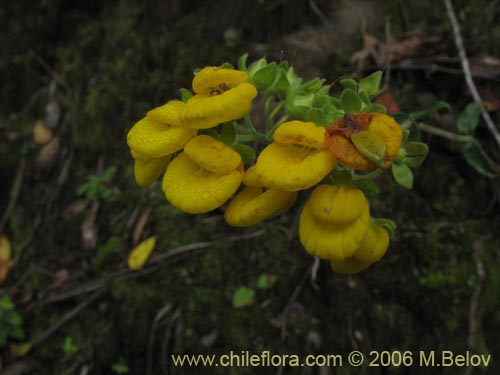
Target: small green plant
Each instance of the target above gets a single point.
(97, 187)
(11, 323)
(69, 347)
(120, 367)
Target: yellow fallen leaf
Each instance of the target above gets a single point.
(20, 350)
(41, 134)
(5, 249)
(141, 253)
(5, 262)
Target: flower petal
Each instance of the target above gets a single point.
(337, 204)
(168, 113)
(330, 241)
(213, 78)
(195, 190)
(212, 154)
(390, 131)
(291, 167)
(206, 111)
(250, 178)
(146, 172)
(374, 245)
(253, 205)
(153, 139)
(301, 133)
(348, 155)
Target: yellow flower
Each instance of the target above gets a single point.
(296, 160)
(222, 95)
(151, 138)
(371, 250)
(255, 204)
(202, 177)
(147, 170)
(380, 133)
(334, 222)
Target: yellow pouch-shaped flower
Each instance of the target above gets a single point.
(147, 171)
(337, 204)
(154, 139)
(212, 155)
(206, 111)
(253, 205)
(251, 178)
(292, 168)
(373, 246)
(215, 79)
(168, 113)
(331, 241)
(301, 133)
(196, 190)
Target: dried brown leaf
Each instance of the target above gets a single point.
(47, 156)
(141, 223)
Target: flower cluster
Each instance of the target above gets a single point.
(203, 169)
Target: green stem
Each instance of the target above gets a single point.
(445, 134)
(271, 116)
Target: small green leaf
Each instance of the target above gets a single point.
(16, 333)
(243, 297)
(6, 303)
(228, 133)
(282, 83)
(247, 153)
(242, 62)
(227, 65)
(388, 225)
(212, 133)
(427, 114)
(350, 101)
(256, 66)
(313, 85)
(414, 161)
(120, 367)
(365, 100)
(13, 318)
(333, 116)
(185, 94)
(266, 281)
(371, 84)
(265, 77)
(370, 145)
(378, 108)
(69, 347)
(317, 116)
(403, 175)
(475, 158)
(416, 149)
(469, 119)
(349, 83)
(366, 186)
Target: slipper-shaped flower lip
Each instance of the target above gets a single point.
(153, 139)
(349, 266)
(301, 133)
(291, 167)
(212, 78)
(147, 172)
(196, 190)
(374, 245)
(253, 205)
(212, 154)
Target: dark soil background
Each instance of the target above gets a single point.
(89, 70)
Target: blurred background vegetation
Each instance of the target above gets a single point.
(75, 76)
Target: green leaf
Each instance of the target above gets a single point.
(349, 83)
(6, 303)
(469, 119)
(475, 158)
(247, 153)
(242, 62)
(120, 367)
(185, 94)
(317, 116)
(17, 333)
(388, 225)
(282, 83)
(265, 77)
(243, 297)
(370, 145)
(313, 85)
(378, 108)
(416, 152)
(212, 133)
(256, 66)
(69, 347)
(366, 186)
(427, 114)
(371, 84)
(13, 318)
(365, 100)
(350, 101)
(334, 115)
(403, 175)
(227, 65)
(266, 281)
(228, 133)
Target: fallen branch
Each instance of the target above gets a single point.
(466, 68)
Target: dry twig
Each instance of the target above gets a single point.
(466, 68)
